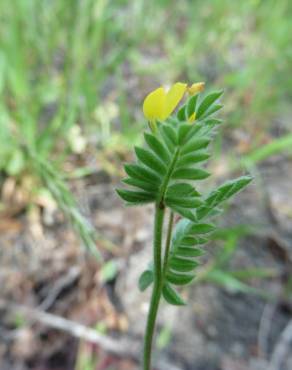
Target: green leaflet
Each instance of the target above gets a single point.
(158, 147)
(145, 280)
(189, 241)
(221, 194)
(170, 133)
(191, 105)
(139, 172)
(171, 296)
(214, 108)
(169, 139)
(186, 173)
(186, 233)
(183, 132)
(150, 160)
(185, 202)
(182, 114)
(182, 189)
(136, 197)
(201, 240)
(207, 127)
(189, 252)
(144, 185)
(192, 158)
(202, 228)
(207, 102)
(195, 144)
(188, 109)
(185, 212)
(212, 122)
(179, 279)
(182, 264)
(181, 230)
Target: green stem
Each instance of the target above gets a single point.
(157, 286)
(158, 272)
(167, 243)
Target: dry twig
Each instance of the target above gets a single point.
(281, 348)
(120, 347)
(265, 328)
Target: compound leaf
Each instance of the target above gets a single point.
(221, 194)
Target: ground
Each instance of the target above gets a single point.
(43, 267)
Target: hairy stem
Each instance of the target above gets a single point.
(167, 243)
(157, 286)
(168, 174)
(158, 268)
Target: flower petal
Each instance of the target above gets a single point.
(173, 97)
(154, 104)
(196, 87)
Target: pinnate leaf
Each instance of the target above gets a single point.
(222, 193)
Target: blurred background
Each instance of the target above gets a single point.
(73, 75)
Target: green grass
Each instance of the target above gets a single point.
(60, 63)
(90, 63)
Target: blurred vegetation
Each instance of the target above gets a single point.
(74, 73)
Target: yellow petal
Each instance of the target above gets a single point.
(154, 104)
(196, 87)
(173, 97)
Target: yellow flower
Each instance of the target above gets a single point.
(196, 88)
(159, 104)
